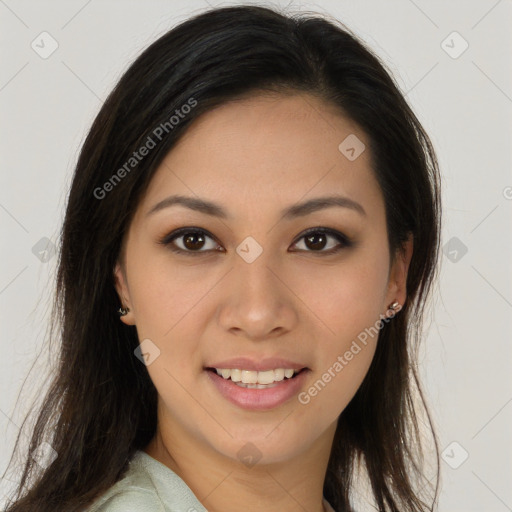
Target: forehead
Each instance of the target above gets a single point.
(267, 151)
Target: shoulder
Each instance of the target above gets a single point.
(134, 492)
(147, 486)
(128, 499)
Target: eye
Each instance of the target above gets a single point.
(188, 240)
(316, 239)
(193, 241)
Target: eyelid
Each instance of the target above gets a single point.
(327, 231)
(177, 233)
(343, 240)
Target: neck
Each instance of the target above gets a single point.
(225, 484)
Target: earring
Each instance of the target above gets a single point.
(123, 311)
(395, 307)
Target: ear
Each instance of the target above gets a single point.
(397, 283)
(123, 293)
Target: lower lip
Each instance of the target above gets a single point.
(258, 399)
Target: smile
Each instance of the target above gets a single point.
(257, 390)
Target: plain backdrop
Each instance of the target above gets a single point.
(453, 62)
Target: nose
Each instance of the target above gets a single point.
(257, 302)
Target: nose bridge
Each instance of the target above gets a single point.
(256, 300)
(258, 284)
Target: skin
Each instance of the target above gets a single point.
(255, 157)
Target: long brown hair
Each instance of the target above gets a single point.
(101, 405)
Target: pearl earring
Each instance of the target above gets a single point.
(394, 307)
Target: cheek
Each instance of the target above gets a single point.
(347, 296)
(172, 303)
(348, 301)
(164, 294)
(167, 301)
(333, 387)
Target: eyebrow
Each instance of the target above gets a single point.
(297, 210)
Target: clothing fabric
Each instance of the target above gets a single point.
(150, 486)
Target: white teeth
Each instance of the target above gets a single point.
(278, 374)
(265, 377)
(254, 378)
(236, 375)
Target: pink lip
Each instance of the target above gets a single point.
(244, 363)
(258, 399)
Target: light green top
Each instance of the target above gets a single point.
(150, 486)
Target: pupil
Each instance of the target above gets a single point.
(317, 245)
(189, 240)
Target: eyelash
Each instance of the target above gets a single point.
(169, 239)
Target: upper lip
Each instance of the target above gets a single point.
(261, 365)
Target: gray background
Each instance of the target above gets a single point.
(464, 102)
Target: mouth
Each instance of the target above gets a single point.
(257, 390)
(251, 379)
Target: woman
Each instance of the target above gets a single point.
(251, 235)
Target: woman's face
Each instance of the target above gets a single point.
(248, 283)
